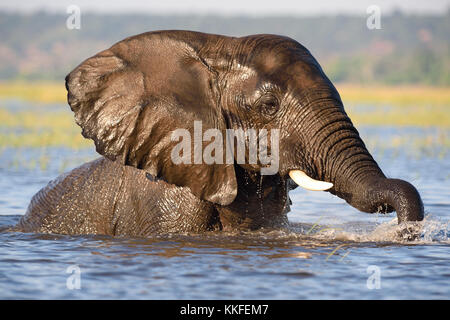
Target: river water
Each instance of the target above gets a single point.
(332, 251)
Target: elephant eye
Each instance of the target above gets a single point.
(268, 105)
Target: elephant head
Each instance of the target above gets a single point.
(130, 98)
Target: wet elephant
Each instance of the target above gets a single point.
(132, 97)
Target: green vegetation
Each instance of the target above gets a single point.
(55, 92)
(40, 139)
(38, 126)
(396, 76)
(394, 95)
(41, 127)
(409, 49)
(420, 66)
(42, 92)
(436, 116)
(432, 143)
(397, 106)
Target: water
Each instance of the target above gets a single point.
(332, 251)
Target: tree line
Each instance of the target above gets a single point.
(408, 49)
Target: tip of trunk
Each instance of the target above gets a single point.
(386, 195)
(405, 199)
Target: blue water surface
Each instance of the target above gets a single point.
(332, 251)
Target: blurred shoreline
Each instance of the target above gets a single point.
(36, 114)
(408, 49)
(351, 93)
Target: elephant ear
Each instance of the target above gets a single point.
(130, 98)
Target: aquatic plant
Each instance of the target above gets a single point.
(55, 92)
(394, 95)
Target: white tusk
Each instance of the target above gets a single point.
(308, 183)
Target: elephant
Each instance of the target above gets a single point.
(130, 98)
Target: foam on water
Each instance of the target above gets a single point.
(428, 231)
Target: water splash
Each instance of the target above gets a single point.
(430, 230)
(246, 184)
(260, 194)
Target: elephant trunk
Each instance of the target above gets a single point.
(343, 159)
(381, 194)
(360, 181)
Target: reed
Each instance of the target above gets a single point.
(41, 92)
(418, 116)
(394, 95)
(38, 126)
(55, 92)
